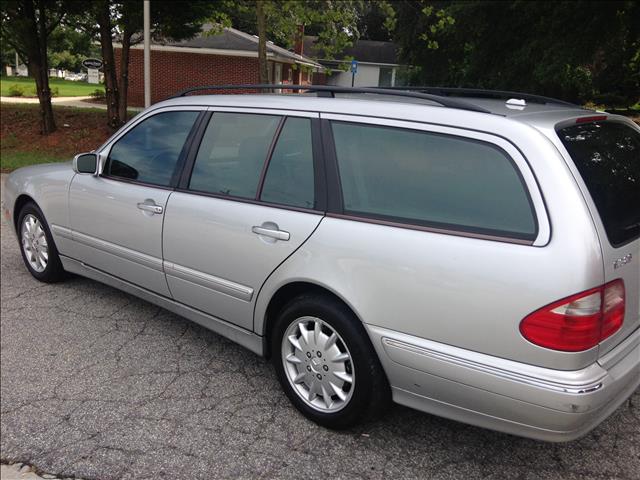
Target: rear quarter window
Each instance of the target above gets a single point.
(431, 179)
(607, 155)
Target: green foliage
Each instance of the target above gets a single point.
(68, 47)
(16, 91)
(98, 94)
(579, 50)
(335, 23)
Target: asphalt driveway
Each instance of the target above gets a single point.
(98, 384)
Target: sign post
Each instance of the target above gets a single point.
(146, 9)
(354, 70)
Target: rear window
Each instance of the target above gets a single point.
(432, 180)
(607, 155)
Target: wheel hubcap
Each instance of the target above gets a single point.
(34, 243)
(318, 364)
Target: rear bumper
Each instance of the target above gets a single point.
(504, 395)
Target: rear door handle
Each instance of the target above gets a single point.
(271, 232)
(150, 207)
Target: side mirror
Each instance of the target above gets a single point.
(85, 163)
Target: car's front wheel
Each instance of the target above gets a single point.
(326, 364)
(39, 253)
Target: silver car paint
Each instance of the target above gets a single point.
(630, 271)
(48, 185)
(483, 288)
(402, 291)
(215, 263)
(127, 241)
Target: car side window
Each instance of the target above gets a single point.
(289, 179)
(431, 179)
(232, 154)
(150, 151)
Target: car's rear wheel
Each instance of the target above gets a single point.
(38, 250)
(326, 364)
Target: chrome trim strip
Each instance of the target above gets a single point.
(63, 232)
(211, 282)
(491, 370)
(127, 253)
(239, 335)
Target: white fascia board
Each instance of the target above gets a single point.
(219, 51)
(364, 63)
(203, 51)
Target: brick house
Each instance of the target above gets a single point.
(230, 57)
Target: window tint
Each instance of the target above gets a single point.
(150, 151)
(432, 180)
(607, 155)
(232, 154)
(289, 179)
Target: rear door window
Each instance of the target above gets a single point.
(232, 154)
(290, 179)
(607, 155)
(433, 180)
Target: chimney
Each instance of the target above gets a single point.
(299, 43)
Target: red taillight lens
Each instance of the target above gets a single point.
(612, 308)
(578, 322)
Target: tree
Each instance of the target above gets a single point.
(283, 21)
(68, 46)
(26, 26)
(261, 23)
(122, 22)
(550, 48)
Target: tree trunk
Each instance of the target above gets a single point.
(111, 86)
(37, 63)
(263, 71)
(123, 80)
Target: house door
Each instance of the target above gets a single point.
(277, 77)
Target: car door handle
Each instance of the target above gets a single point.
(271, 232)
(150, 207)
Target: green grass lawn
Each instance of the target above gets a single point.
(64, 88)
(11, 161)
(21, 144)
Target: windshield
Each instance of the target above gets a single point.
(607, 155)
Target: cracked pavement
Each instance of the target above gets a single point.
(98, 384)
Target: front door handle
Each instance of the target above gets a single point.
(150, 207)
(269, 229)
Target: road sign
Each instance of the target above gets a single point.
(89, 63)
(93, 75)
(354, 66)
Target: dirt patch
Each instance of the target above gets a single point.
(79, 130)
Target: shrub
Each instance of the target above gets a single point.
(55, 92)
(98, 94)
(16, 91)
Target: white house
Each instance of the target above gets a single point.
(378, 63)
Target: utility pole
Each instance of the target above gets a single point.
(147, 53)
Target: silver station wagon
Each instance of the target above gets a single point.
(470, 254)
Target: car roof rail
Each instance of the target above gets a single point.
(331, 90)
(481, 92)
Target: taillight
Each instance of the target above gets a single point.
(578, 322)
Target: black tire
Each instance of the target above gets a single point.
(371, 394)
(53, 272)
